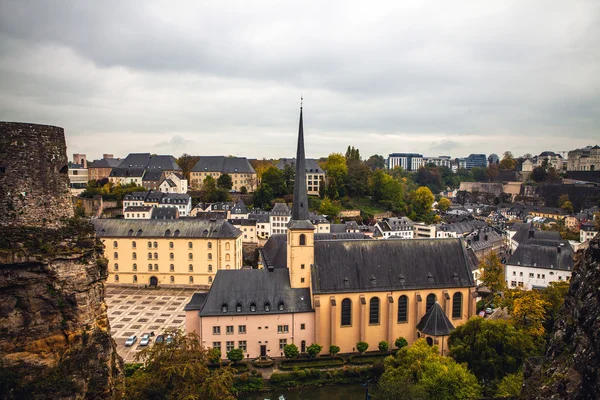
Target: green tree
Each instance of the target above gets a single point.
(235, 355)
(554, 295)
(244, 190)
(358, 178)
(186, 162)
(387, 191)
(314, 349)
(214, 355)
(510, 385)
(419, 372)
(289, 174)
(337, 171)
(263, 197)
(491, 348)
(443, 204)
(273, 177)
(362, 347)
(383, 346)
(375, 162)
(421, 201)
(178, 371)
(563, 198)
(568, 206)
(508, 162)
(401, 342)
(333, 350)
(291, 351)
(529, 312)
(225, 182)
(329, 208)
(492, 274)
(352, 155)
(539, 174)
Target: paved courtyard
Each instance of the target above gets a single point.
(137, 311)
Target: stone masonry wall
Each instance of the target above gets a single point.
(34, 185)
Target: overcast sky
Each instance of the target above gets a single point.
(225, 77)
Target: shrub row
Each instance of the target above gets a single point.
(367, 358)
(316, 377)
(321, 362)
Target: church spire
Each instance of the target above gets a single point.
(300, 207)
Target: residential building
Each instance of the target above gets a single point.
(239, 211)
(571, 223)
(586, 159)
(538, 262)
(143, 169)
(173, 182)
(241, 172)
(101, 169)
(407, 161)
(315, 176)
(247, 227)
(347, 290)
(168, 252)
(553, 160)
(394, 227)
(279, 217)
(423, 231)
(441, 161)
(182, 202)
(587, 231)
(78, 179)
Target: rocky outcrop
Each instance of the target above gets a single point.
(54, 332)
(571, 366)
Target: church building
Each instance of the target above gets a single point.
(335, 290)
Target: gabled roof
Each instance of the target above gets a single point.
(164, 213)
(435, 322)
(254, 286)
(548, 254)
(196, 302)
(163, 163)
(240, 208)
(105, 163)
(281, 209)
(152, 176)
(229, 165)
(380, 265)
(189, 228)
(311, 166)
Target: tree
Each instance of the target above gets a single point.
(244, 190)
(443, 204)
(478, 174)
(491, 348)
(375, 162)
(362, 347)
(291, 351)
(214, 355)
(329, 208)
(333, 350)
(529, 312)
(263, 197)
(358, 178)
(289, 174)
(492, 274)
(508, 162)
(178, 371)
(568, 206)
(225, 182)
(491, 172)
(510, 385)
(421, 201)
(352, 155)
(562, 199)
(539, 174)
(314, 349)
(419, 372)
(273, 177)
(235, 355)
(383, 346)
(400, 342)
(186, 162)
(387, 191)
(337, 172)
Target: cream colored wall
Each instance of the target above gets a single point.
(260, 330)
(226, 254)
(298, 256)
(238, 180)
(328, 318)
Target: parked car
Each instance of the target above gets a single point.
(170, 339)
(159, 339)
(145, 340)
(130, 341)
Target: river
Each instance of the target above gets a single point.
(341, 392)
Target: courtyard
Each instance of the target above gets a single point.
(133, 311)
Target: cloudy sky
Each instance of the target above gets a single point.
(226, 77)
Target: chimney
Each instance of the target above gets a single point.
(531, 234)
(558, 249)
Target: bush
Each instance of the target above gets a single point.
(291, 351)
(314, 349)
(131, 368)
(264, 363)
(362, 347)
(383, 346)
(322, 362)
(333, 350)
(367, 358)
(214, 355)
(401, 342)
(235, 355)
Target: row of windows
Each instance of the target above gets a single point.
(229, 329)
(171, 279)
(242, 345)
(171, 267)
(171, 256)
(239, 308)
(171, 245)
(374, 303)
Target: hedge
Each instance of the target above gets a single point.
(316, 377)
(321, 362)
(367, 358)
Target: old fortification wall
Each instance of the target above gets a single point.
(34, 186)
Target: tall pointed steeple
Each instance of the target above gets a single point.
(300, 207)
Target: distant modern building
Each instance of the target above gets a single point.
(493, 159)
(315, 176)
(241, 172)
(78, 179)
(441, 161)
(586, 159)
(407, 161)
(474, 160)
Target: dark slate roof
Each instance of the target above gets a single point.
(138, 208)
(164, 213)
(210, 215)
(523, 235)
(135, 160)
(258, 286)
(281, 209)
(196, 302)
(380, 265)
(435, 322)
(543, 254)
(229, 165)
(119, 172)
(105, 163)
(239, 208)
(152, 175)
(242, 222)
(461, 227)
(472, 259)
(259, 217)
(163, 163)
(337, 228)
(311, 166)
(300, 224)
(342, 236)
(170, 182)
(588, 227)
(189, 228)
(485, 238)
(174, 198)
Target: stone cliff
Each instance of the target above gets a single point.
(54, 332)
(571, 366)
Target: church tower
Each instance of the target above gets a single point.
(300, 234)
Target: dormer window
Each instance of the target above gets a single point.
(238, 307)
(280, 306)
(252, 307)
(224, 307)
(267, 306)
